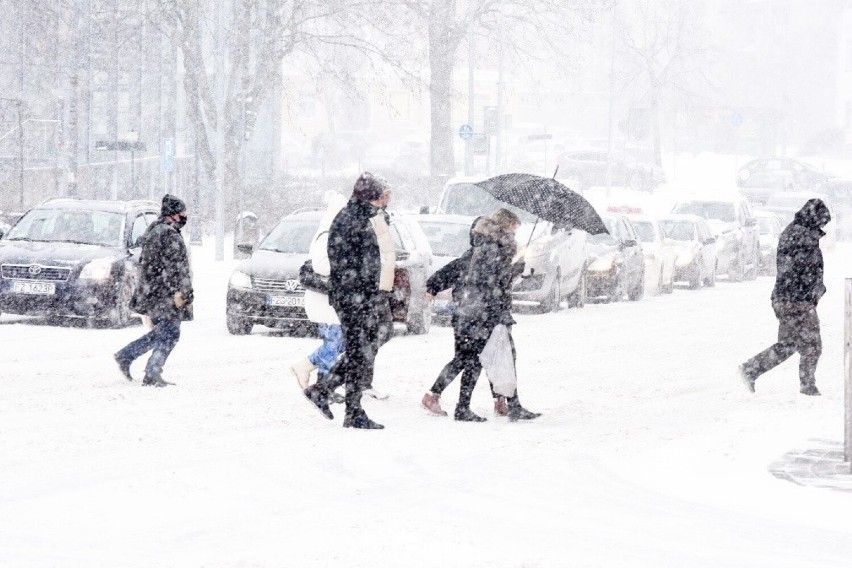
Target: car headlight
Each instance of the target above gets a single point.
(602, 264)
(239, 280)
(684, 259)
(98, 269)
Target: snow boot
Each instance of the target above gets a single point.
(319, 400)
(464, 414)
(377, 394)
(302, 371)
(500, 406)
(361, 421)
(747, 378)
(155, 382)
(810, 390)
(123, 366)
(432, 403)
(520, 413)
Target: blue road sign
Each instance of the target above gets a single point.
(466, 132)
(736, 120)
(168, 154)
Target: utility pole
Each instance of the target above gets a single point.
(220, 132)
(609, 149)
(20, 105)
(471, 110)
(499, 150)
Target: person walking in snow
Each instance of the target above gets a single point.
(486, 302)
(452, 276)
(164, 292)
(798, 289)
(355, 263)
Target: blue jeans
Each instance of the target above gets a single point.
(162, 339)
(333, 345)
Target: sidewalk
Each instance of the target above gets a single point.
(818, 465)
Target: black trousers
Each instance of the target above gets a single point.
(456, 365)
(798, 331)
(365, 328)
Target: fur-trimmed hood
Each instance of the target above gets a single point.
(488, 230)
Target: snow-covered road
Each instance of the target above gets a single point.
(650, 452)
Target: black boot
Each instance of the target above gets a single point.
(319, 400)
(810, 390)
(520, 413)
(465, 414)
(361, 421)
(123, 366)
(155, 382)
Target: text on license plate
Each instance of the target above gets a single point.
(286, 301)
(19, 287)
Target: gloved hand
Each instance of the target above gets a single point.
(179, 300)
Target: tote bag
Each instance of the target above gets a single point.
(498, 362)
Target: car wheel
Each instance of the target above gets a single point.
(736, 271)
(420, 323)
(637, 291)
(695, 278)
(237, 325)
(577, 298)
(119, 316)
(554, 296)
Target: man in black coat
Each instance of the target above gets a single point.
(798, 289)
(164, 292)
(355, 259)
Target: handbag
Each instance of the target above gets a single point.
(499, 363)
(311, 280)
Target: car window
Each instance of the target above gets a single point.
(397, 239)
(407, 239)
(630, 233)
(101, 228)
(292, 236)
(139, 226)
(645, 230)
(718, 210)
(678, 230)
(604, 238)
(150, 217)
(446, 239)
(471, 200)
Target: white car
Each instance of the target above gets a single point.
(449, 238)
(659, 254)
(696, 260)
(555, 257)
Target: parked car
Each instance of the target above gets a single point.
(806, 175)
(449, 238)
(555, 257)
(616, 263)
(264, 289)
(589, 168)
(74, 258)
(695, 249)
(769, 227)
(760, 185)
(659, 254)
(735, 228)
(785, 206)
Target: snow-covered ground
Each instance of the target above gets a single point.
(650, 451)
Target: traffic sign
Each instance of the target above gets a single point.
(466, 132)
(736, 120)
(168, 154)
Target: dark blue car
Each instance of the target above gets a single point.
(74, 257)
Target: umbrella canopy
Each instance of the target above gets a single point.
(546, 198)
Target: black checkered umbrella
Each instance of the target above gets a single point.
(547, 199)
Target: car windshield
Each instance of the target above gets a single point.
(678, 230)
(604, 239)
(471, 200)
(446, 239)
(645, 231)
(291, 236)
(718, 210)
(101, 228)
(765, 180)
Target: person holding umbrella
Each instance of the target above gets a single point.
(486, 303)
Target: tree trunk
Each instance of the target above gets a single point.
(442, 48)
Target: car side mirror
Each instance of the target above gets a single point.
(709, 240)
(424, 209)
(751, 222)
(245, 248)
(629, 243)
(402, 254)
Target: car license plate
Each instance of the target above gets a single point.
(289, 301)
(43, 288)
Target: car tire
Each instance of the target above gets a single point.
(577, 298)
(554, 297)
(237, 325)
(637, 291)
(420, 324)
(121, 314)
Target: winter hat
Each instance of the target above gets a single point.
(369, 187)
(172, 205)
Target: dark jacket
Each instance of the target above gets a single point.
(164, 270)
(353, 254)
(487, 297)
(800, 265)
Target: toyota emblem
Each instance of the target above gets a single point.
(35, 270)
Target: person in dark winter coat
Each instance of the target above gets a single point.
(164, 292)
(798, 289)
(486, 302)
(452, 276)
(355, 294)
